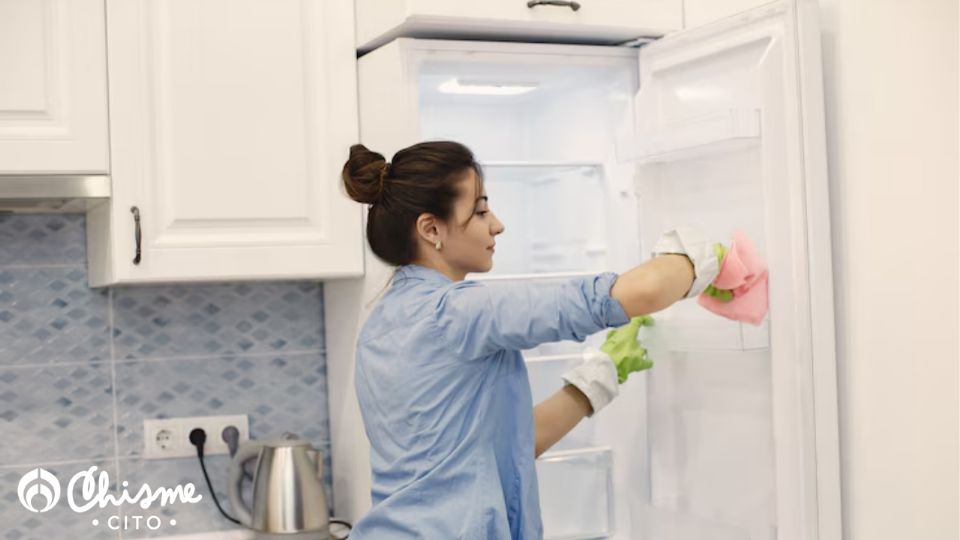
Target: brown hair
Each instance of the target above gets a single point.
(421, 178)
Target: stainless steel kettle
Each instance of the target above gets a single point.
(288, 494)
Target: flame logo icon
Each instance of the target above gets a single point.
(39, 482)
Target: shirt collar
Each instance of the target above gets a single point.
(415, 271)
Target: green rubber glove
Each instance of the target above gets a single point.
(723, 295)
(624, 349)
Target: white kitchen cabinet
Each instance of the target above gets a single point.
(53, 87)
(698, 12)
(581, 21)
(230, 122)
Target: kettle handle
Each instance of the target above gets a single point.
(316, 458)
(247, 451)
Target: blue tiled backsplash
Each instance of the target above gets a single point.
(81, 368)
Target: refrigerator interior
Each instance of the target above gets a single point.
(686, 450)
(550, 164)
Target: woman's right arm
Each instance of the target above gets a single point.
(684, 264)
(654, 285)
(477, 320)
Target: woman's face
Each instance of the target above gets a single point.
(470, 234)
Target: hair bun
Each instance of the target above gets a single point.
(364, 174)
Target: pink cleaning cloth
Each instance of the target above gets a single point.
(744, 273)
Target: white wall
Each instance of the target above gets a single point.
(891, 94)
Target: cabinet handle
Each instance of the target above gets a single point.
(136, 231)
(562, 3)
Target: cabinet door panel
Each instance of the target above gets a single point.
(53, 96)
(230, 122)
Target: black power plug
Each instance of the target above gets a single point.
(198, 438)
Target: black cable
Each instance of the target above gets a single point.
(198, 437)
(340, 522)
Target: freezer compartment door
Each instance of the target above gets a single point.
(741, 420)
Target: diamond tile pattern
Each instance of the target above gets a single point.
(50, 315)
(183, 350)
(190, 320)
(60, 522)
(56, 413)
(40, 239)
(278, 393)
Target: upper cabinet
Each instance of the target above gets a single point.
(53, 87)
(230, 122)
(580, 21)
(700, 12)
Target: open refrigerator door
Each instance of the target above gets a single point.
(741, 419)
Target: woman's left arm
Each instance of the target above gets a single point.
(557, 415)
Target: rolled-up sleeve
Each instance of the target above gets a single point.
(477, 319)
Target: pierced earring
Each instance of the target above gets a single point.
(438, 245)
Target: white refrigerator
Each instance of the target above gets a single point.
(589, 153)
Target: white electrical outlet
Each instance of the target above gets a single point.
(170, 437)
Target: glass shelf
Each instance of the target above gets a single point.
(709, 333)
(576, 493)
(536, 202)
(545, 277)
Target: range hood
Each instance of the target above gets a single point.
(52, 193)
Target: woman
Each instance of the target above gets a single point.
(442, 386)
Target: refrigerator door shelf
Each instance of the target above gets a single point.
(576, 493)
(705, 334)
(708, 135)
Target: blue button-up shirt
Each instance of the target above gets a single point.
(446, 402)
